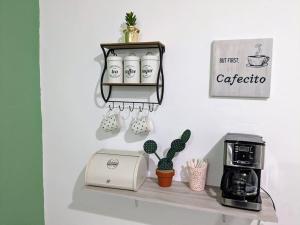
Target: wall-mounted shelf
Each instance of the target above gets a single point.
(180, 195)
(134, 45)
(109, 48)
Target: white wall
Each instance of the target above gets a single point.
(70, 34)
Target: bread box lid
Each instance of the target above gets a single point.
(116, 169)
(120, 152)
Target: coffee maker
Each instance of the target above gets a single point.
(243, 162)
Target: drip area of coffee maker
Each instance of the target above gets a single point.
(243, 162)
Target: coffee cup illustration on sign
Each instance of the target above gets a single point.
(258, 60)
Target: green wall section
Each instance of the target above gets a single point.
(21, 183)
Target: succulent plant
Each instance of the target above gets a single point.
(177, 145)
(130, 19)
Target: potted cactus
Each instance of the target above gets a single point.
(165, 171)
(131, 32)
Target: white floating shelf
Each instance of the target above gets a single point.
(180, 195)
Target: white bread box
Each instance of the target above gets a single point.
(117, 169)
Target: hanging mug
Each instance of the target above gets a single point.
(111, 122)
(142, 125)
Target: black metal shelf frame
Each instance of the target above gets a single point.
(108, 49)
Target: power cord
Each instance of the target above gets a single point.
(270, 197)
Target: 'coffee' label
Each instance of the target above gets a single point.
(130, 71)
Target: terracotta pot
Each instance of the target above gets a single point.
(165, 177)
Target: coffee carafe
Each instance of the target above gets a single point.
(243, 162)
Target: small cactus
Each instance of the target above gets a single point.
(165, 164)
(185, 136)
(177, 145)
(171, 153)
(150, 147)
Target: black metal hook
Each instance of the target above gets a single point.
(111, 108)
(131, 109)
(151, 110)
(141, 109)
(121, 109)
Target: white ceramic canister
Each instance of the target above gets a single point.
(114, 69)
(131, 69)
(149, 68)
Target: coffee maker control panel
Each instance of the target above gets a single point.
(244, 151)
(244, 155)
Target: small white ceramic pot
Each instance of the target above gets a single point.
(149, 68)
(132, 69)
(115, 69)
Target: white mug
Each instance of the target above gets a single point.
(141, 125)
(111, 123)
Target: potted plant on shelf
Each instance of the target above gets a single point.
(165, 171)
(131, 32)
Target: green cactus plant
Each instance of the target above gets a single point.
(130, 19)
(150, 147)
(177, 145)
(185, 136)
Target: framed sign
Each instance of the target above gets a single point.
(241, 68)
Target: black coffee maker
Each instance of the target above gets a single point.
(243, 162)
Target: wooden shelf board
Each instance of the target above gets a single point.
(133, 45)
(180, 195)
(131, 84)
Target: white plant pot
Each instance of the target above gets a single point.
(131, 69)
(114, 69)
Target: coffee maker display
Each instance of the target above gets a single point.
(243, 162)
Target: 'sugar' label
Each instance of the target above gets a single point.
(147, 71)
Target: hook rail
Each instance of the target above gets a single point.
(131, 106)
